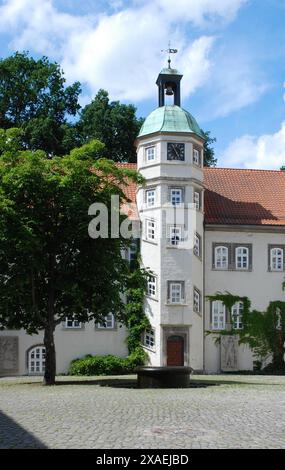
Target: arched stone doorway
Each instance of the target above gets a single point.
(175, 350)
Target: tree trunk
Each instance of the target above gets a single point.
(50, 364)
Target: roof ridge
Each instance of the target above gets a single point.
(244, 169)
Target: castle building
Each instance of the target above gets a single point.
(204, 230)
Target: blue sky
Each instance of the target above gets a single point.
(231, 53)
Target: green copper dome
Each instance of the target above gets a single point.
(170, 119)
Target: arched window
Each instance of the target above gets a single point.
(237, 313)
(218, 315)
(36, 360)
(276, 259)
(221, 257)
(242, 257)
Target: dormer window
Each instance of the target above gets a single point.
(150, 154)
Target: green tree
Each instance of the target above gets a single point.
(209, 152)
(50, 268)
(113, 123)
(33, 97)
(264, 332)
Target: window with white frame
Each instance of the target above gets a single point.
(197, 300)
(276, 259)
(196, 157)
(176, 292)
(150, 229)
(221, 257)
(176, 196)
(242, 257)
(72, 323)
(237, 313)
(150, 197)
(150, 154)
(151, 286)
(175, 234)
(218, 315)
(108, 323)
(37, 360)
(149, 339)
(197, 245)
(197, 200)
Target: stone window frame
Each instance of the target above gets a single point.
(182, 291)
(114, 326)
(148, 190)
(197, 149)
(270, 248)
(232, 247)
(169, 238)
(150, 147)
(175, 188)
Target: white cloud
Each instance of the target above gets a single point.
(264, 152)
(119, 51)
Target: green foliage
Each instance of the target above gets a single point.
(136, 320)
(263, 332)
(33, 97)
(209, 153)
(229, 301)
(112, 123)
(105, 365)
(49, 266)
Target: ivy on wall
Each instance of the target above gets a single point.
(263, 332)
(137, 321)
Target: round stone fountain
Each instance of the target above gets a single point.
(164, 377)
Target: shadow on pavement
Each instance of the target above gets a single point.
(14, 436)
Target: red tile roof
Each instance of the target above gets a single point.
(244, 197)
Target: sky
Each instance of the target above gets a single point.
(231, 53)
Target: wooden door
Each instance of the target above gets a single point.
(175, 351)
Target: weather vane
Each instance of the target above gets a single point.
(169, 51)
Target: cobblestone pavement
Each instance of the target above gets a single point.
(106, 413)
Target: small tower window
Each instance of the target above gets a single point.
(150, 229)
(150, 154)
(150, 197)
(175, 235)
(176, 196)
(197, 157)
(151, 286)
(197, 200)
